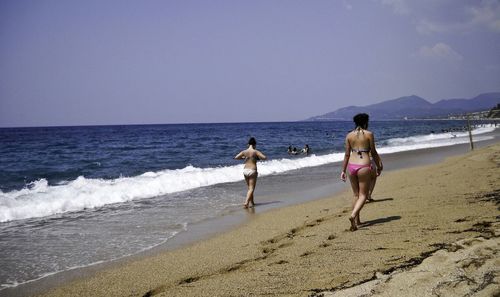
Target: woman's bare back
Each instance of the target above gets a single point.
(251, 157)
(359, 144)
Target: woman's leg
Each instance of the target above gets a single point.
(355, 191)
(363, 178)
(251, 182)
(355, 188)
(245, 205)
(372, 184)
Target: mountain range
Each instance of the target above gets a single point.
(414, 107)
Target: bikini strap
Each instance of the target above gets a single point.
(359, 129)
(360, 151)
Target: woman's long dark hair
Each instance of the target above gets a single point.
(361, 120)
(252, 142)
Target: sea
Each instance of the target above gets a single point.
(73, 197)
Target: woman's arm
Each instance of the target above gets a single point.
(375, 155)
(261, 155)
(240, 156)
(346, 159)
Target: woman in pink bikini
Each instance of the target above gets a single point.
(251, 156)
(359, 145)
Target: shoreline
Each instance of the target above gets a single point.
(231, 226)
(303, 249)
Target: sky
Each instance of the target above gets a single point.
(101, 62)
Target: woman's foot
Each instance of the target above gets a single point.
(358, 220)
(353, 224)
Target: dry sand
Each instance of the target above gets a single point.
(469, 267)
(431, 212)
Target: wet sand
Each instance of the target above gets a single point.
(307, 250)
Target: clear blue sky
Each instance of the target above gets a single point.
(65, 62)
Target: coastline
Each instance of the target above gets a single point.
(216, 262)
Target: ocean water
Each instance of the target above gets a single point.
(76, 196)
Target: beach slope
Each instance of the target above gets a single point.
(306, 250)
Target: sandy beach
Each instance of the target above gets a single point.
(432, 230)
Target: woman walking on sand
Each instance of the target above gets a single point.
(251, 156)
(361, 142)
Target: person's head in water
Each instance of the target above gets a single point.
(361, 120)
(252, 142)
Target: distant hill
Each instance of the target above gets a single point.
(413, 107)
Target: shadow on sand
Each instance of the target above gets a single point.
(380, 221)
(267, 203)
(380, 200)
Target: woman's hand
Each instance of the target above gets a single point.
(343, 177)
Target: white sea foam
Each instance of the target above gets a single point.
(15, 283)
(395, 145)
(40, 199)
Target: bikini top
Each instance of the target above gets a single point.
(255, 158)
(360, 151)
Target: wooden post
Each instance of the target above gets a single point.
(470, 133)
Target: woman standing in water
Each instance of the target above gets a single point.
(251, 156)
(361, 142)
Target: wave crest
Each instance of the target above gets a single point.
(39, 199)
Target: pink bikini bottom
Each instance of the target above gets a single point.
(354, 168)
